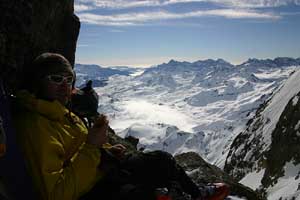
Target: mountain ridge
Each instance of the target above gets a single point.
(276, 62)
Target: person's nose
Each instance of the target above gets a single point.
(65, 84)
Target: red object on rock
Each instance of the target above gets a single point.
(163, 197)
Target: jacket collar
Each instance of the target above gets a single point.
(53, 110)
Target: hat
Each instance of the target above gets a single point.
(50, 63)
(45, 64)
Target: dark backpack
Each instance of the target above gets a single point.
(13, 173)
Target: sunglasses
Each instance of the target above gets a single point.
(59, 79)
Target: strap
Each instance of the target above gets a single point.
(2, 139)
(2, 132)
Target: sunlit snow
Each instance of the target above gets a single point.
(295, 100)
(253, 180)
(145, 112)
(287, 186)
(211, 103)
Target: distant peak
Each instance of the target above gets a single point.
(87, 65)
(172, 61)
(251, 60)
(212, 62)
(220, 60)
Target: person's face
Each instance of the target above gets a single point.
(57, 86)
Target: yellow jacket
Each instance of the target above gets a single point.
(52, 139)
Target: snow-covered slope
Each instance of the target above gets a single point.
(266, 156)
(182, 106)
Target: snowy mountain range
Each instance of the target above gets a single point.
(98, 74)
(203, 107)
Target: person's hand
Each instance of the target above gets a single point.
(97, 134)
(118, 150)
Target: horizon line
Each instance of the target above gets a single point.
(177, 60)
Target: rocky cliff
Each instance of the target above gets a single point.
(30, 27)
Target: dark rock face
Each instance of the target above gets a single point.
(31, 27)
(285, 143)
(249, 140)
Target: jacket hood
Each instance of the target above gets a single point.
(53, 110)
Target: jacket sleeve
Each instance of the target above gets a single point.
(56, 179)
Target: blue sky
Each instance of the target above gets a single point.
(142, 33)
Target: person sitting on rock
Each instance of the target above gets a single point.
(66, 160)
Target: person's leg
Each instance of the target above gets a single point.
(142, 173)
(136, 192)
(158, 169)
(103, 189)
(117, 184)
